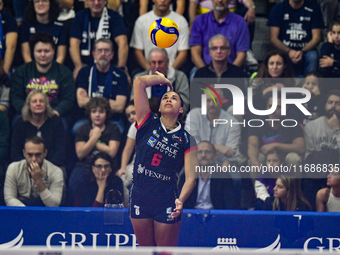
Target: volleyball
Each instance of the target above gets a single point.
(163, 32)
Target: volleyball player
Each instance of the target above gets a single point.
(162, 148)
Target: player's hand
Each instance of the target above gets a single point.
(178, 210)
(121, 171)
(165, 81)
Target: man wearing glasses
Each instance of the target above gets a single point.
(92, 24)
(102, 80)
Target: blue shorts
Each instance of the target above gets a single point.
(157, 204)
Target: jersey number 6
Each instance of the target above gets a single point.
(156, 160)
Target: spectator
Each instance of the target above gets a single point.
(41, 16)
(224, 137)
(264, 185)
(8, 39)
(38, 120)
(275, 72)
(144, 6)
(159, 61)
(210, 191)
(44, 73)
(219, 68)
(329, 62)
(219, 21)
(287, 196)
(94, 23)
(322, 144)
(142, 45)
(272, 135)
(33, 181)
(315, 105)
(97, 136)
(245, 8)
(328, 199)
(103, 80)
(95, 187)
(295, 28)
(219, 51)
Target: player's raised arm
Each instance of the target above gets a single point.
(140, 96)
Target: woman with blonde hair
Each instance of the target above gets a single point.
(38, 120)
(288, 196)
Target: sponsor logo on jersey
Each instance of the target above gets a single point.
(175, 145)
(286, 16)
(169, 210)
(141, 170)
(154, 132)
(177, 138)
(165, 140)
(167, 150)
(152, 141)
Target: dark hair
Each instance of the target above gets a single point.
(280, 154)
(211, 145)
(100, 102)
(335, 92)
(35, 140)
(43, 38)
(315, 74)
(334, 23)
(269, 95)
(102, 155)
(287, 72)
(53, 12)
(154, 103)
(131, 102)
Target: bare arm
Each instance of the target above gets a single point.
(316, 39)
(180, 7)
(123, 49)
(253, 150)
(26, 52)
(61, 54)
(192, 12)
(11, 43)
(118, 104)
(196, 56)
(181, 58)
(190, 161)
(82, 97)
(274, 39)
(321, 200)
(240, 58)
(250, 14)
(75, 55)
(298, 146)
(141, 60)
(126, 155)
(110, 149)
(143, 7)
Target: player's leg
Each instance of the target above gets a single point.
(144, 231)
(166, 234)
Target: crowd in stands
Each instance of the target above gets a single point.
(67, 117)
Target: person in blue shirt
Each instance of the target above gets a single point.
(295, 28)
(163, 147)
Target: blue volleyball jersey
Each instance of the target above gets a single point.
(159, 153)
